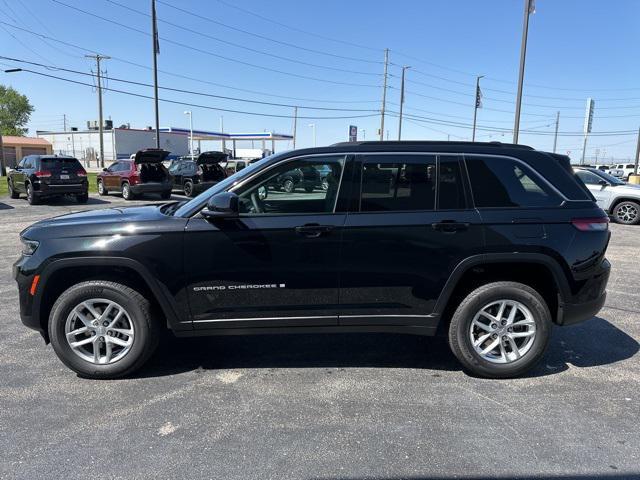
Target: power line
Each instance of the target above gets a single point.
(192, 92)
(263, 37)
(206, 52)
(208, 107)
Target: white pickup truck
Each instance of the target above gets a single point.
(622, 170)
(619, 199)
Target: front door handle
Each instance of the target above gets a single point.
(449, 226)
(313, 230)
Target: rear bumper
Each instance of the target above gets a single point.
(151, 187)
(591, 298)
(44, 189)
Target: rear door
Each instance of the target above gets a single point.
(275, 265)
(411, 224)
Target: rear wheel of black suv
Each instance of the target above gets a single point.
(32, 198)
(500, 330)
(102, 329)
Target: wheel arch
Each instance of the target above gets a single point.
(62, 274)
(622, 198)
(539, 271)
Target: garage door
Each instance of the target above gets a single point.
(33, 151)
(10, 156)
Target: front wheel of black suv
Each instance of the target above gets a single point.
(12, 191)
(500, 330)
(102, 329)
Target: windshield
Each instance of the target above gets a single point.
(609, 178)
(200, 201)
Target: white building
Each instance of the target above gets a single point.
(118, 143)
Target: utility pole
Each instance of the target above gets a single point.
(635, 168)
(99, 58)
(401, 102)
(529, 7)
(588, 123)
(478, 104)
(64, 121)
(156, 50)
(224, 143)
(295, 125)
(384, 93)
(3, 167)
(555, 136)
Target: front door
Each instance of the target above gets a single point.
(411, 227)
(278, 263)
(111, 177)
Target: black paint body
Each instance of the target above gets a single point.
(346, 270)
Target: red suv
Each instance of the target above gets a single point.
(144, 173)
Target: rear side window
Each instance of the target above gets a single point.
(450, 186)
(402, 183)
(59, 163)
(498, 182)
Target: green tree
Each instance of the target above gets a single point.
(15, 111)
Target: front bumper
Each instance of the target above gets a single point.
(24, 278)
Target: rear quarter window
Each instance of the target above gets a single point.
(501, 182)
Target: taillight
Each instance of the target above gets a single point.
(134, 178)
(81, 173)
(599, 224)
(42, 173)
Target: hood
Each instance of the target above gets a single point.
(629, 187)
(97, 222)
(209, 158)
(150, 155)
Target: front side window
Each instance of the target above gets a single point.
(499, 182)
(398, 183)
(307, 185)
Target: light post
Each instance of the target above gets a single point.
(529, 8)
(404, 69)
(313, 126)
(188, 112)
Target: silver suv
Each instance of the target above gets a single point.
(617, 198)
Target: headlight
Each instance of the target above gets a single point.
(29, 246)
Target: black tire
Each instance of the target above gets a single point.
(12, 191)
(127, 194)
(308, 189)
(627, 213)
(165, 195)
(138, 308)
(82, 198)
(288, 186)
(188, 188)
(459, 329)
(32, 198)
(102, 191)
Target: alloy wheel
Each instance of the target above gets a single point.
(626, 213)
(288, 186)
(502, 331)
(99, 331)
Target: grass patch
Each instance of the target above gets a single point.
(91, 177)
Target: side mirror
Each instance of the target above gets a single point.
(603, 183)
(222, 205)
(105, 170)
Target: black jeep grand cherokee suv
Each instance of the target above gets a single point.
(490, 243)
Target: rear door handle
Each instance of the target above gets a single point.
(449, 226)
(313, 230)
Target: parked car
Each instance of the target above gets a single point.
(622, 170)
(143, 174)
(46, 176)
(621, 200)
(194, 175)
(605, 168)
(492, 244)
(307, 178)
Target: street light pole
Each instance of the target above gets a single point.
(295, 125)
(401, 102)
(476, 106)
(188, 112)
(555, 136)
(635, 168)
(156, 49)
(529, 7)
(384, 93)
(313, 126)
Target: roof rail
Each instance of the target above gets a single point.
(432, 143)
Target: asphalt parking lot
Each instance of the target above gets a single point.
(330, 407)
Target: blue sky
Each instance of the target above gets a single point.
(577, 49)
